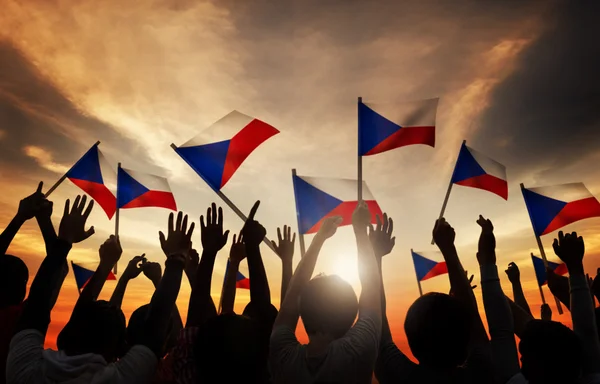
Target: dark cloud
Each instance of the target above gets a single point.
(546, 113)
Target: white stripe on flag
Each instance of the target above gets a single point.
(419, 113)
(109, 172)
(152, 182)
(223, 129)
(489, 165)
(342, 189)
(564, 192)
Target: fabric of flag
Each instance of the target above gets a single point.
(385, 127)
(319, 198)
(540, 269)
(476, 170)
(551, 208)
(427, 268)
(91, 173)
(217, 152)
(137, 190)
(241, 281)
(83, 275)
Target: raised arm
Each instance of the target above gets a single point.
(289, 312)
(132, 271)
(514, 275)
(191, 266)
(110, 253)
(559, 286)
(284, 248)
(236, 255)
(202, 306)
(254, 234)
(570, 248)
(497, 309)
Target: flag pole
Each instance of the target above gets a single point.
(229, 203)
(541, 290)
(543, 254)
(63, 177)
(417, 276)
(300, 234)
(117, 214)
(359, 164)
(443, 210)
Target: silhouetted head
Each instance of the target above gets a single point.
(438, 328)
(328, 305)
(136, 329)
(97, 327)
(13, 280)
(229, 349)
(550, 353)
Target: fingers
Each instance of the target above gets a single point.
(385, 222)
(294, 238)
(179, 221)
(213, 214)
(378, 219)
(170, 228)
(39, 187)
(89, 233)
(161, 237)
(279, 235)
(253, 210)
(241, 237)
(87, 212)
(202, 225)
(76, 203)
(390, 226)
(208, 216)
(82, 204)
(561, 236)
(220, 217)
(191, 230)
(273, 243)
(289, 232)
(226, 236)
(67, 207)
(234, 238)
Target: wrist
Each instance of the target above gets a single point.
(575, 268)
(19, 219)
(234, 263)
(106, 266)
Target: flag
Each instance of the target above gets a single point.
(551, 208)
(90, 173)
(426, 268)
(474, 169)
(83, 275)
(241, 281)
(385, 127)
(319, 198)
(540, 269)
(217, 152)
(137, 190)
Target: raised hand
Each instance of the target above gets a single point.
(361, 217)
(471, 280)
(487, 242)
(33, 204)
(329, 227)
(546, 312)
(72, 226)
(284, 247)
(237, 253)
(513, 273)
(211, 233)
(443, 234)
(381, 237)
(178, 243)
(570, 248)
(152, 271)
(110, 251)
(191, 265)
(134, 267)
(253, 232)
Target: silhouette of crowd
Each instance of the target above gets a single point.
(349, 338)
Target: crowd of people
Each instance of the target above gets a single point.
(349, 338)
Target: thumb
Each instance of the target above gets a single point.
(89, 233)
(226, 235)
(161, 237)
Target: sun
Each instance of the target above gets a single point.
(346, 269)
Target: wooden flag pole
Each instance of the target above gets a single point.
(443, 210)
(63, 177)
(229, 203)
(417, 276)
(117, 214)
(543, 253)
(300, 234)
(359, 164)
(541, 290)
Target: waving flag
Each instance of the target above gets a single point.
(90, 174)
(217, 152)
(320, 198)
(474, 169)
(540, 269)
(385, 127)
(426, 268)
(551, 208)
(137, 190)
(241, 281)
(83, 275)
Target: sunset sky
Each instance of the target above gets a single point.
(518, 80)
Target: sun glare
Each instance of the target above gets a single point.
(346, 269)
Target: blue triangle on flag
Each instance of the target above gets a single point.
(207, 160)
(312, 204)
(128, 188)
(87, 168)
(82, 275)
(422, 265)
(372, 129)
(466, 166)
(542, 210)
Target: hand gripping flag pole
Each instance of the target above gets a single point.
(225, 199)
(300, 234)
(543, 254)
(63, 177)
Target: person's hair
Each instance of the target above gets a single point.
(228, 349)
(550, 353)
(136, 329)
(328, 305)
(13, 280)
(95, 327)
(438, 330)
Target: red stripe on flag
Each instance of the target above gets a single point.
(159, 199)
(574, 211)
(100, 193)
(488, 183)
(439, 269)
(406, 136)
(345, 210)
(561, 269)
(243, 284)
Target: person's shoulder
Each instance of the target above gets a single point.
(27, 336)
(517, 379)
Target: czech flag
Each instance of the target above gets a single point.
(241, 281)
(137, 190)
(551, 208)
(540, 269)
(474, 169)
(83, 275)
(319, 198)
(90, 173)
(385, 127)
(426, 268)
(217, 152)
